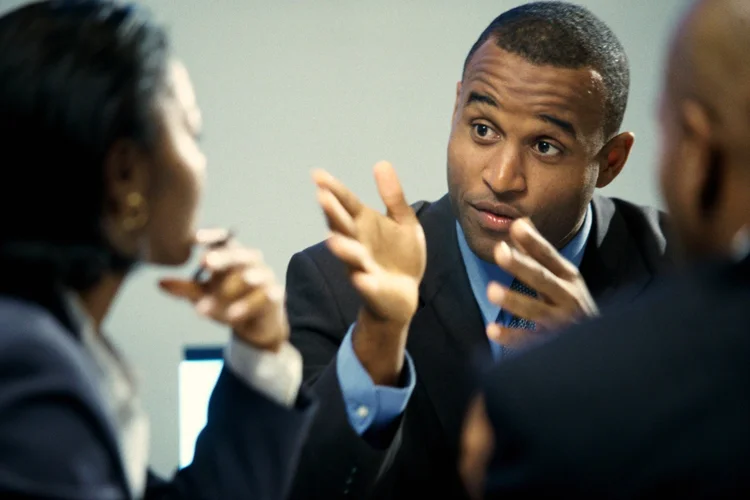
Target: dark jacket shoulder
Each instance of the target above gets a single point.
(30, 336)
(49, 405)
(649, 226)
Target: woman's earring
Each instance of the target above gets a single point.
(137, 212)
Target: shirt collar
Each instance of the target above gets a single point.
(119, 393)
(481, 272)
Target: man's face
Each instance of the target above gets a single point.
(526, 141)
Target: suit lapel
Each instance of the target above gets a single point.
(447, 332)
(612, 263)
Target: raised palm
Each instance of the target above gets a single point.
(385, 254)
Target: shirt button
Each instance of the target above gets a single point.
(362, 412)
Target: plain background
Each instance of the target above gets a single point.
(287, 86)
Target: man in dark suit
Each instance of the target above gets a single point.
(653, 399)
(387, 343)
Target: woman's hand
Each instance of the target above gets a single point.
(241, 291)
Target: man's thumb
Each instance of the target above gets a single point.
(392, 193)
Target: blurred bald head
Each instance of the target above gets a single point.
(705, 116)
(709, 61)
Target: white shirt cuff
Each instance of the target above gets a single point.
(277, 375)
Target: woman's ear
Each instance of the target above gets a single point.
(126, 208)
(125, 172)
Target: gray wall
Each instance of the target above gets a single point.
(286, 86)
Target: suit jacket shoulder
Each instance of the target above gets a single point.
(49, 406)
(648, 226)
(628, 247)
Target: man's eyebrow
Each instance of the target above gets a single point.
(481, 98)
(477, 97)
(562, 124)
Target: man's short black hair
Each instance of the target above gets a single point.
(567, 36)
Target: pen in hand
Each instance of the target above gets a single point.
(212, 239)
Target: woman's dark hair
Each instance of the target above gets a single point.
(75, 77)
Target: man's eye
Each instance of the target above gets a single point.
(547, 149)
(483, 131)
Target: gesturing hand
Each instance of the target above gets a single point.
(385, 254)
(562, 295)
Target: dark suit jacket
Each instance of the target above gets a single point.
(56, 440)
(652, 400)
(626, 247)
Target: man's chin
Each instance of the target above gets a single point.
(483, 245)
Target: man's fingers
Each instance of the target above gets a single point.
(350, 251)
(339, 220)
(511, 337)
(530, 272)
(392, 193)
(366, 284)
(525, 235)
(519, 304)
(348, 200)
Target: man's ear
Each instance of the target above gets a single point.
(704, 176)
(614, 155)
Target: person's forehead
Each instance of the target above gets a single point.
(181, 91)
(574, 91)
(180, 85)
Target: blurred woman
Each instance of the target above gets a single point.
(102, 171)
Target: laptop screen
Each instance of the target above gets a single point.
(198, 372)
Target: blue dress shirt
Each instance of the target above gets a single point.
(372, 407)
